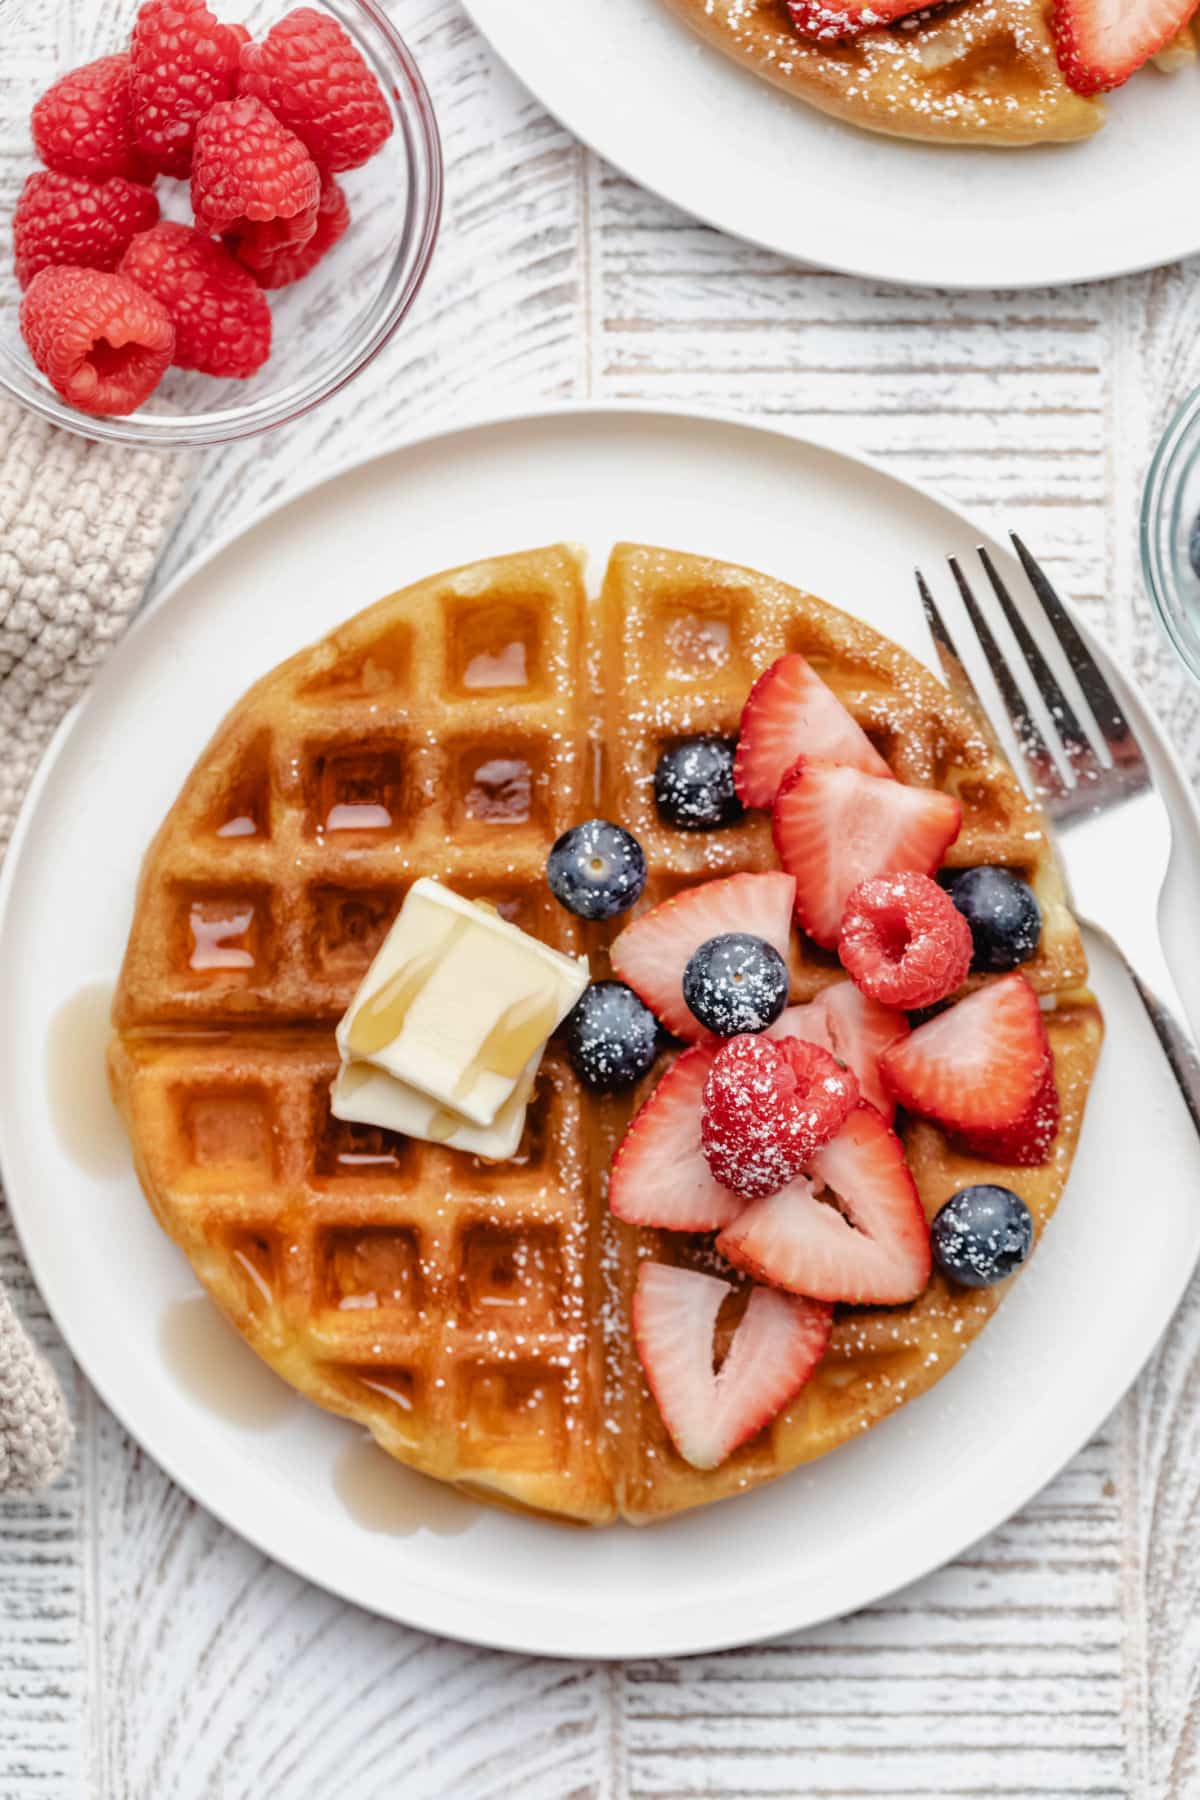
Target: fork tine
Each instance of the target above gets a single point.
(1107, 713)
(1044, 772)
(1080, 752)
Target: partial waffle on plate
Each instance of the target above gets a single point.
(475, 1316)
(976, 71)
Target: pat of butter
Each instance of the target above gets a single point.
(366, 1096)
(457, 1002)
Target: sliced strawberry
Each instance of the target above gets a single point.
(977, 1066)
(827, 20)
(659, 1174)
(871, 1248)
(775, 1349)
(854, 1029)
(1101, 43)
(651, 954)
(835, 827)
(1029, 1139)
(790, 712)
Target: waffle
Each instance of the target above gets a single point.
(474, 1317)
(975, 72)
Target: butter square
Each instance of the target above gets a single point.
(364, 1095)
(457, 1001)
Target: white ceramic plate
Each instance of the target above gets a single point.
(635, 83)
(905, 1498)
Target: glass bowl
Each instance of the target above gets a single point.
(328, 326)
(1170, 511)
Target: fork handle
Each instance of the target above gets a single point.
(1160, 997)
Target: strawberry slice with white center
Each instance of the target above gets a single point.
(870, 1248)
(835, 827)
(827, 21)
(651, 954)
(1101, 43)
(775, 1349)
(791, 712)
(979, 1065)
(854, 1029)
(659, 1173)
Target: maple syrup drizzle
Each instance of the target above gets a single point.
(85, 1120)
(217, 1367)
(381, 1495)
(211, 945)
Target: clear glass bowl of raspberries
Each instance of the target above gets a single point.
(215, 212)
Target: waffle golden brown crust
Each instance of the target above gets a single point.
(475, 1317)
(973, 72)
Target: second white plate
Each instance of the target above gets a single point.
(909, 1495)
(680, 118)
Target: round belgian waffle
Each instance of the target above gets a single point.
(475, 1317)
(976, 71)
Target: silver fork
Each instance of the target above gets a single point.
(1094, 785)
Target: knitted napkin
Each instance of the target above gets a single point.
(80, 527)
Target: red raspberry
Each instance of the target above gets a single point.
(183, 61)
(275, 266)
(99, 340)
(83, 125)
(248, 166)
(64, 219)
(311, 76)
(769, 1105)
(904, 941)
(222, 320)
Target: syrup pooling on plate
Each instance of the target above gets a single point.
(85, 1120)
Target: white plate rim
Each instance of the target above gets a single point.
(782, 1613)
(607, 143)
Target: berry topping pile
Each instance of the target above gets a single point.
(768, 1108)
(258, 130)
(596, 870)
(903, 941)
(1099, 43)
(693, 784)
(775, 1129)
(735, 983)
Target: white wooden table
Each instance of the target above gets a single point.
(147, 1652)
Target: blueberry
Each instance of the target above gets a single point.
(1003, 913)
(736, 983)
(596, 869)
(981, 1235)
(693, 784)
(611, 1037)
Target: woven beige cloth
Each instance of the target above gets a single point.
(81, 525)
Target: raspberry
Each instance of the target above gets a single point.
(277, 266)
(769, 1105)
(222, 320)
(183, 61)
(248, 166)
(83, 125)
(1028, 1140)
(65, 219)
(259, 243)
(311, 76)
(904, 941)
(99, 340)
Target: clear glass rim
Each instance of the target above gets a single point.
(1180, 443)
(418, 130)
